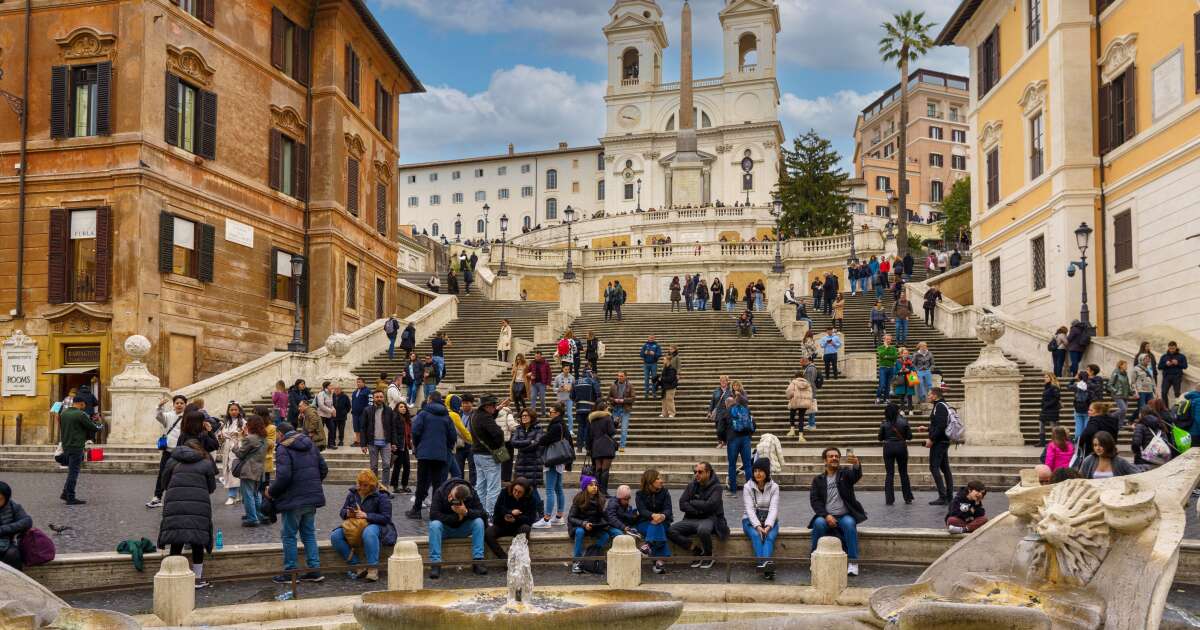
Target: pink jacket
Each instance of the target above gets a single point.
(1056, 458)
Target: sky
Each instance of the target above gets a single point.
(533, 72)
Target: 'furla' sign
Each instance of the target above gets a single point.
(19, 355)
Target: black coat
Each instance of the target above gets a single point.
(341, 405)
(390, 433)
(846, 478)
(485, 432)
(528, 462)
(1078, 337)
(649, 504)
(704, 502)
(1096, 424)
(505, 504)
(440, 510)
(600, 438)
(591, 512)
(898, 431)
(188, 479)
(669, 379)
(1051, 402)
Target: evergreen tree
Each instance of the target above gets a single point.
(813, 189)
(956, 207)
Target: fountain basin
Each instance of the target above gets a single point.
(612, 609)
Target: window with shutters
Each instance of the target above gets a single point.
(958, 135)
(412, 202)
(458, 198)
(502, 171)
(1122, 241)
(1037, 259)
(551, 179)
(433, 229)
(381, 208)
(287, 161)
(383, 110)
(600, 190)
(524, 169)
(551, 209)
(191, 118)
(351, 286)
(1036, 146)
(988, 62)
(353, 75)
(1033, 24)
(380, 296)
(883, 211)
(478, 172)
(502, 193)
(435, 200)
(433, 177)
(936, 159)
(283, 286)
(352, 186)
(993, 177)
(935, 191)
(935, 132)
(80, 100)
(83, 101)
(81, 257)
(958, 162)
(994, 271)
(456, 175)
(289, 47)
(183, 248)
(1118, 110)
(480, 195)
(882, 183)
(83, 271)
(289, 165)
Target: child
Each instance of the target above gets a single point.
(1060, 450)
(966, 510)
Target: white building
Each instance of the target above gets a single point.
(737, 116)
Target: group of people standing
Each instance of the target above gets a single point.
(695, 294)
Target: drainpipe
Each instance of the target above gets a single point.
(308, 115)
(19, 311)
(1101, 227)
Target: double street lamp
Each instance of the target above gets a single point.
(569, 218)
(503, 270)
(1082, 234)
(777, 212)
(297, 343)
(458, 228)
(485, 247)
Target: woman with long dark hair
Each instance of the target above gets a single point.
(188, 479)
(229, 436)
(251, 450)
(403, 420)
(894, 433)
(602, 445)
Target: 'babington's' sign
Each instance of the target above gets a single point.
(19, 355)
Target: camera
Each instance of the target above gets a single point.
(1071, 270)
(455, 503)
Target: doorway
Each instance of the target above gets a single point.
(181, 361)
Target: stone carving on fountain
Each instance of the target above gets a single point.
(1071, 522)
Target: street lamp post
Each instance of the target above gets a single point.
(639, 194)
(503, 270)
(458, 228)
(777, 212)
(297, 344)
(1082, 233)
(569, 215)
(485, 247)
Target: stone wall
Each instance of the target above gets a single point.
(540, 288)
(956, 284)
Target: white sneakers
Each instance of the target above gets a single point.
(541, 524)
(791, 432)
(557, 520)
(955, 529)
(852, 569)
(154, 502)
(801, 439)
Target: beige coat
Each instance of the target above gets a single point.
(839, 309)
(800, 394)
(504, 342)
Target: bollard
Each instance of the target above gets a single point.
(404, 569)
(174, 591)
(624, 564)
(828, 569)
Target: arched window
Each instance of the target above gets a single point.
(551, 209)
(551, 179)
(600, 161)
(698, 115)
(629, 64)
(705, 121)
(434, 229)
(479, 226)
(748, 53)
(527, 222)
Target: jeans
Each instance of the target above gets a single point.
(251, 499)
(1076, 357)
(939, 468)
(649, 371)
(812, 419)
(458, 467)
(885, 377)
(303, 522)
(391, 347)
(439, 530)
(440, 362)
(729, 306)
(758, 302)
(621, 414)
(763, 547)
(895, 454)
(412, 393)
(924, 383)
(74, 463)
(370, 545)
(1144, 399)
(739, 445)
(381, 450)
(603, 535)
(901, 330)
(878, 290)
(1080, 422)
(488, 476)
(702, 304)
(1059, 358)
(538, 398)
(554, 492)
(584, 431)
(656, 537)
(846, 531)
(430, 387)
(828, 304)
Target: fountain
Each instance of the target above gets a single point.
(519, 605)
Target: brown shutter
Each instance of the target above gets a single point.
(300, 61)
(995, 57)
(207, 244)
(271, 272)
(166, 242)
(208, 125)
(275, 159)
(300, 178)
(352, 186)
(278, 28)
(103, 98)
(60, 242)
(1196, 45)
(59, 84)
(104, 254)
(381, 217)
(1130, 79)
(171, 112)
(207, 11)
(1104, 100)
(1122, 241)
(378, 105)
(348, 70)
(356, 89)
(981, 65)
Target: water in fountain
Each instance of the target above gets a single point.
(520, 572)
(521, 597)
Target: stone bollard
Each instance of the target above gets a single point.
(828, 568)
(174, 591)
(404, 569)
(624, 563)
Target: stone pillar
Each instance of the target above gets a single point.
(404, 569)
(859, 366)
(507, 288)
(828, 567)
(570, 296)
(174, 591)
(992, 411)
(135, 394)
(337, 369)
(624, 564)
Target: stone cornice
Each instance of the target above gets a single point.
(1119, 54)
(289, 120)
(86, 43)
(189, 64)
(355, 146)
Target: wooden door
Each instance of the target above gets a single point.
(181, 361)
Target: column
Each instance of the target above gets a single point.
(992, 411)
(135, 394)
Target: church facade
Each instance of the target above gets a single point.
(736, 116)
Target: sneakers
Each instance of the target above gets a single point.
(372, 575)
(791, 432)
(312, 576)
(541, 523)
(730, 493)
(955, 529)
(249, 523)
(659, 567)
(769, 570)
(76, 502)
(696, 563)
(202, 584)
(405, 490)
(414, 514)
(282, 578)
(154, 502)
(479, 569)
(644, 548)
(435, 571)
(556, 521)
(229, 501)
(938, 501)
(801, 438)
(852, 569)
(707, 563)
(576, 568)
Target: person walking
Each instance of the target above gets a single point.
(1051, 406)
(391, 328)
(369, 503)
(408, 339)
(760, 516)
(878, 321)
(908, 266)
(651, 352)
(379, 435)
(297, 494)
(830, 344)
(885, 362)
(520, 385)
(592, 347)
(734, 428)
(621, 397)
(901, 311)
(1058, 351)
(1144, 351)
(188, 480)
(836, 511)
(655, 515)
(1078, 339)
(800, 400)
(414, 372)
(830, 287)
(539, 379)
(668, 380)
(251, 452)
(602, 445)
(1172, 364)
(433, 437)
(75, 427)
(487, 451)
(676, 294)
(438, 344)
(359, 401)
(703, 516)
(504, 341)
(932, 296)
(938, 444)
(895, 433)
(1119, 388)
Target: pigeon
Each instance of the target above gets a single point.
(58, 529)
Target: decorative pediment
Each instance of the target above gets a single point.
(288, 120)
(1033, 98)
(187, 63)
(79, 309)
(1118, 55)
(990, 134)
(383, 172)
(78, 318)
(86, 43)
(355, 146)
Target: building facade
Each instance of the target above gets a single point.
(178, 155)
(939, 147)
(1085, 111)
(736, 114)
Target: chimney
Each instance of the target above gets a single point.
(511, 149)
(562, 145)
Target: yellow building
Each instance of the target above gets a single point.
(1085, 111)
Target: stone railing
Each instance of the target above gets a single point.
(639, 224)
(697, 83)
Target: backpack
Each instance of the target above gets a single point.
(1157, 452)
(1052, 345)
(955, 429)
(594, 564)
(564, 347)
(36, 548)
(389, 327)
(1182, 408)
(819, 381)
(741, 419)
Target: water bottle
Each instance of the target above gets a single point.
(220, 539)
(284, 596)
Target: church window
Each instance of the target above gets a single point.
(748, 53)
(630, 62)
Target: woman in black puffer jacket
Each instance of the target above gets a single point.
(1145, 428)
(525, 441)
(188, 479)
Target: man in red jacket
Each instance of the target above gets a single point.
(539, 375)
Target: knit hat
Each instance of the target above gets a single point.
(6, 491)
(762, 464)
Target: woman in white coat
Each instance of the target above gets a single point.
(230, 435)
(504, 342)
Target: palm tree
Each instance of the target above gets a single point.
(905, 39)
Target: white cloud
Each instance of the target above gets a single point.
(568, 26)
(535, 108)
(831, 116)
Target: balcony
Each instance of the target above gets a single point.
(631, 82)
(957, 117)
(749, 68)
(935, 114)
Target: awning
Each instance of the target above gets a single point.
(75, 369)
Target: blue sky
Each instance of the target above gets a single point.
(532, 72)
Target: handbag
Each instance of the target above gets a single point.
(237, 466)
(161, 444)
(60, 457)
(352, 529)
(36, 548)
(501, 455)
(1157, 452)
(560, 452)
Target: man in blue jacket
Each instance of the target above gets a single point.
(433, 436)
(584, 394)
(297, 493)
(1171, 365)
(358, 403)
(651, 353)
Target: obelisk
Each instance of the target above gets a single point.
(686, 167)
